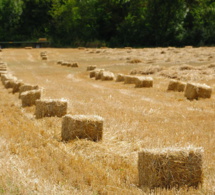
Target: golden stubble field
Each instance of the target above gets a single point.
(34, 160)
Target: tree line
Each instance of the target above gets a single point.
(114, 23)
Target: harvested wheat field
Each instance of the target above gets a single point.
(35, 160)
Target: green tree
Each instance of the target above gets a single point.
(165, 21)
(10, 12)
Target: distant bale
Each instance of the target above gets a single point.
(3, 72)
(107, 76)
(81, 48)
(28, 47)
(120, 78)
(196, 91)
(16, 86)
(27, 87)
(93, 72)
(91, 67)
(144, 82)
(0, 50)
(29, 97)
(74, 65)
(44, 57)
(130, 79)
(175, 85)
(60, 62)
(64, 63)
(50, 107)
(82, 127)
(134, 61)
(98, 74)
(10, 83)
(170, 168)
(6, 77)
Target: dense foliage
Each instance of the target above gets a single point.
(109, 22)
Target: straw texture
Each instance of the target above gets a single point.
(170, 167)
(50, 107)
(82, 127)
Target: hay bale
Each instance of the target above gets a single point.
(3, 72)
(82, 127)
(170, 167)
(16, 86)
(81, 48)
(28, 47)
(64, 63)
(92, 67)
(107, 76)
(93, 72)
(60, 62)
(196, 91)
(27, 87)
(74, 65)
(29, 97)
(50, 107)
(143, 82)
(44, 57)
(175, 85)
(10, 83)
(98, 74)
(130, 79)
(120, 78)
(6, 77)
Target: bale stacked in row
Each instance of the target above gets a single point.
(95, 72)
(170, 167)
(68, 64)
(27, 87)
(43, 55)
(91, 67)
(29, 97)
(6, 77)
(16, 86)
(107, 76)
(175, 85)
(129, 79)
(120, 78)
(49, 108)
(143, 82)
(82, 127)
(196, 91)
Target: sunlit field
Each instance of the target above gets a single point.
(34, 159)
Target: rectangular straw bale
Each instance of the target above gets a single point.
(196, 91)
(144, 82)
(6, 77)
(181, 86)
(93, 72)
(175, 85)
(29, 97)
(107, 76)
(98, 74)
(3, 72)
(50, 107)
(27, 87)
(120, 78)
(44, 57)
(17, 85)
(59, 62)
(74, 65)
(82, 127)
(10, 83)
(130, 79)
(170, 167)
(91, 67)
